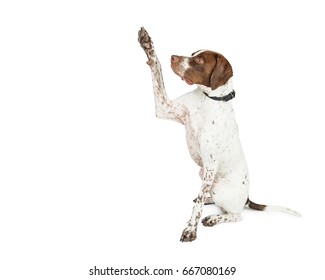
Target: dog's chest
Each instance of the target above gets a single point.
(210, 126)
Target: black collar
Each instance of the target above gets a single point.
(225, 98)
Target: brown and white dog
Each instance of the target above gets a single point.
(211, 132)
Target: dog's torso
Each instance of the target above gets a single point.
(212, 136)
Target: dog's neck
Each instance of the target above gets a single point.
(218, 92)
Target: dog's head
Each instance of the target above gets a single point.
(204, 67)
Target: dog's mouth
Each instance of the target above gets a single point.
(188, 81)
(180, 73)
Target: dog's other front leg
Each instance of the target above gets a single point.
(165, 108)
(189, 233)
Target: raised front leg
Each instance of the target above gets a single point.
(189, 233)
(165, 108)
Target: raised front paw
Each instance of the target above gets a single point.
(188, 235)
(146, 43)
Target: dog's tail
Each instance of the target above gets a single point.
(261, 207)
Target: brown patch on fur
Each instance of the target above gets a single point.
(222, 72)
(255, 206)
(208, 68)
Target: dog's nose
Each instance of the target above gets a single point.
(174, 58)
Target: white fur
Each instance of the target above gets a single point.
(213, 143)
(282, 209)
(184, 65)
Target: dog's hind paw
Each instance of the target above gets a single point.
(210, 221)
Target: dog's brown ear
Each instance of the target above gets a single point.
(221, 73)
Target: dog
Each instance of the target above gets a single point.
(211, 132)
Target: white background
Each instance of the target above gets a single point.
(89, 176)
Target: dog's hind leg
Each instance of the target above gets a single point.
(208, 201)
(212, 220)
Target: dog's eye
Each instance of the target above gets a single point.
(199, 60)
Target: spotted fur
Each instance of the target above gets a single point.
(211, 132)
